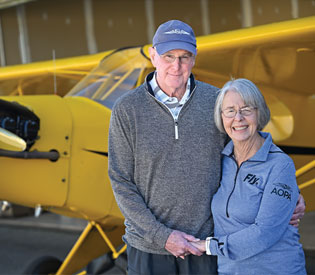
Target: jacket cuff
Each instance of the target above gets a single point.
(214, 246)
(161, 236)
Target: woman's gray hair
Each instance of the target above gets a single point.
(251, 97)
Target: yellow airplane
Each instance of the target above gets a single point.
(57, 114)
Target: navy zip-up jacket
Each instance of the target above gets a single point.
(252, 210)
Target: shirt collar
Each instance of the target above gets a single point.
(150, 76)
(261, 154)
(163, 97)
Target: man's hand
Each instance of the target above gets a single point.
(298, 212)
(201, 245)
(178, 243)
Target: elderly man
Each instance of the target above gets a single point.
(164, 160)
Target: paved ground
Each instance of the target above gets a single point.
(20, 246)
(307, 232)
(24, 239)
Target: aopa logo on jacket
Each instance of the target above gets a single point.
(282, 190)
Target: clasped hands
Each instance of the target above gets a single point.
(181, 244)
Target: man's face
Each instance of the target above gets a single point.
(173, 68)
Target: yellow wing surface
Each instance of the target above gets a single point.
(47, 77)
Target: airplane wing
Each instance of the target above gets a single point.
(47, 77)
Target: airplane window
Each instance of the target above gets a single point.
(116, 74)
(127, 84)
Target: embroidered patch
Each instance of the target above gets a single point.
(282, 190)
(177, 31)
(251, 179)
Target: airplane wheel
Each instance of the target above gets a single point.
(43, 265)
(101, 264)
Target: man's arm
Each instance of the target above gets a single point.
(298, 212)
(121, 173)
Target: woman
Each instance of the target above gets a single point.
(258, 191)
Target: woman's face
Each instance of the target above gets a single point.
(243, 126)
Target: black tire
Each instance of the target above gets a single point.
(43, 265)
(101, 264)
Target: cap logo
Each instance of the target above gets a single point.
(177, 31)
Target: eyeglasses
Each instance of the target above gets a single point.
(231, 112)
(184, 59)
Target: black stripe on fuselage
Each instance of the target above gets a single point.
(294, 150)
(105, 154)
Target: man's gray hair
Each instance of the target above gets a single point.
(251, 97)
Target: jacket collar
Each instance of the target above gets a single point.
(150, 76)
(261, 154)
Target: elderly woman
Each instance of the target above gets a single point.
(258, 191)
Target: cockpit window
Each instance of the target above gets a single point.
(118, 73)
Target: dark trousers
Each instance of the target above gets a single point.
(142, 263)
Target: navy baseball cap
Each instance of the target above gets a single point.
(172, 35)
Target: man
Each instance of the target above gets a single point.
(164, 160)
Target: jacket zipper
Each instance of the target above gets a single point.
(176, 128)
(228, 200)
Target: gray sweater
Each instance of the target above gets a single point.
(161, 183)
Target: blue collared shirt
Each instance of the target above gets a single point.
(171, 103)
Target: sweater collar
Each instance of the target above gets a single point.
(261, 154)
(150, 76)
